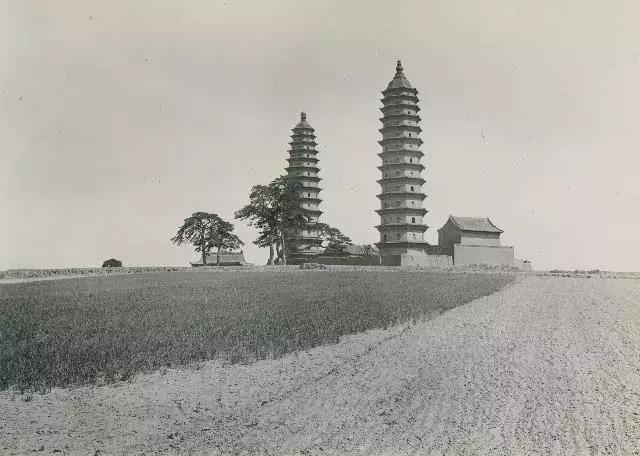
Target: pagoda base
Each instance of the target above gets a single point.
(402, 248)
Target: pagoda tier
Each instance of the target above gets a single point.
(401, 214)
(304, 243)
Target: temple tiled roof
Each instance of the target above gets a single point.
(479, 224)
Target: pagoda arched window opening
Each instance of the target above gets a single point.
(413, 220)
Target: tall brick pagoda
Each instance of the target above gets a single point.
(304, 244)
(401, 214)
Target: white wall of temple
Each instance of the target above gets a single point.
(306, 232)
(399, 122)
(307, 193)
(401, 218)
(402, 173)
(302, 155)
(310, 206)
(404, 109)
(487, 239)
(400, 134)
(401, 157)
(399, 145)
(309, 173)
(411, 203)
(302, 161)
(391, 236)
(409, 188)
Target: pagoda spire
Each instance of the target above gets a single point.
(401, 213)
(304, 244)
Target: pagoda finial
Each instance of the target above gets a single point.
(399, 67)
(303, 116)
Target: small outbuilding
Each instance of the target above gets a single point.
(353, 255)
(353, 250)
(469, 231)
(226, 259)
(474, 241)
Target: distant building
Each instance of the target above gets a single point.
(474, 241)
(401, 214)
(469, 231)
(304, 244)
(352, 255)
(353, 250)
(226, 259)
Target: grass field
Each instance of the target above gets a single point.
(57, 333)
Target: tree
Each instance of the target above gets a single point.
(112, 263)
(274, 209)
(207, 231)
(332, 238)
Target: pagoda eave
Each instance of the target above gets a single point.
(402, 210)
(400, 127)
(405, 244)
(411, 98)
(391, 115)
(390, 107)
(420, 196)
(405, 139)
(308, 198)
(405, 179)
(399, 89)
(402, 227)
(313, 159)
(309, 178)
(401, 151)
(302, 151)
(392, 166)
(310, 168)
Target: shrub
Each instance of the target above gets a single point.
(112, 263)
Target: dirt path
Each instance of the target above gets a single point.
(547, 366)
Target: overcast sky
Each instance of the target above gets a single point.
(118, 119)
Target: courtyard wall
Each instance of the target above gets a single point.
(465, 255)
(433, 261)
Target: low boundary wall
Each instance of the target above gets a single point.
(465, 255)
(432, 261)
(373, 260)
